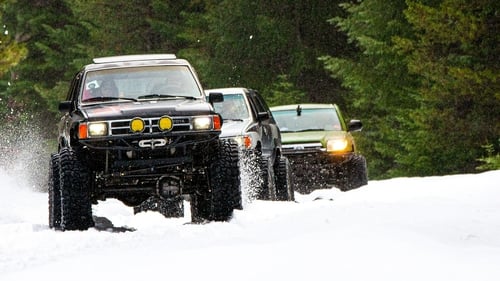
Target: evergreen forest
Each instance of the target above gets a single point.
(422, 75)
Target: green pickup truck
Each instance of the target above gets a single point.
(319, 145)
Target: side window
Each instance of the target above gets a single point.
(259, 102)
(253, 103)
(75, 85)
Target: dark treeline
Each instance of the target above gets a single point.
(423, 76)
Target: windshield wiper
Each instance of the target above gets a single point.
(299, 131)
(107, 99)
(309, 130)
(161, 96)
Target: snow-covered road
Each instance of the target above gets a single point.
(435, 228)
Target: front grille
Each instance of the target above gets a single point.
(302, 148)
(122, 127)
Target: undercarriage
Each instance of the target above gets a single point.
(134, 175)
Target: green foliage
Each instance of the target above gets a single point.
(258, 41)
(382, 90)
(55, 95)
(425, 81)
(245, 50)
(423, 76)
(454, 51)
(117, 27)
(492, 159)
(284, 92)
(53, 39)
(10, 52)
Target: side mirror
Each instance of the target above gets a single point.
(354, 126)
(65, 106)
(263, 115)
(215, 97)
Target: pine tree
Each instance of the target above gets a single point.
(257, 43)
(53, 39)
(426, 78)
(381, 89)
(455, 52)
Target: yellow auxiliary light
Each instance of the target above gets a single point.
(165, 123)
(137, 125)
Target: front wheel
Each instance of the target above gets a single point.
(76, 206)
(353, 174)
(223, 194)
(284, 186)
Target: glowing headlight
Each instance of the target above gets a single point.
(165, 123)
(245, 141)
(137, 125)
(336, 145)
(202, 123)
(98, 129)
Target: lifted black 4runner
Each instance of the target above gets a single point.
(139, 129)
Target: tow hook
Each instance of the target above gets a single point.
(152, 143)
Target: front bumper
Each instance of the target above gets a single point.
(145, 142)
(313, 169)
(139, 163)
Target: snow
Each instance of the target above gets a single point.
(434, 228)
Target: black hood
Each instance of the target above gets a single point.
(144, 109)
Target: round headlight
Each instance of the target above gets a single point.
(137, 125)
(165, 123)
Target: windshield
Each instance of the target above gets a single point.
(232, 108)
(135, 83)
(316, 119)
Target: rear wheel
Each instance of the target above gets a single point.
(284, 186)
(76, 206)
(54, 191)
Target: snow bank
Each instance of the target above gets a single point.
(435, 228)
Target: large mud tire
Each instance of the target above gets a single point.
(267, 188)
(54, 192)
(223, 194)
(284, 185)
(353, 174)
(76, 206)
